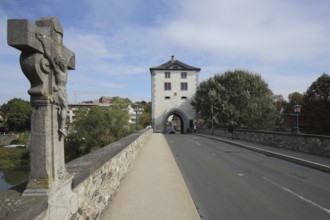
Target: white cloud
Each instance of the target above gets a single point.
(258, 29)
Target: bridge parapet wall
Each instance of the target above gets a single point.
(311, 144)
(96, 179)
(5, 139)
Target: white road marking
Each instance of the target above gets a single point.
(240, 174)
(193, 141)
(297, 195)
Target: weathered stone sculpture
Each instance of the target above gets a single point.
(45, 61)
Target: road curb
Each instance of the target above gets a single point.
(310, 164)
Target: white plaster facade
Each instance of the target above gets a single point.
(175, 97)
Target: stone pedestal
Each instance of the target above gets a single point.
(47, 166)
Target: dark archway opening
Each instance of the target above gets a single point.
(174, 122)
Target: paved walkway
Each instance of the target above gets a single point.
(154, 189)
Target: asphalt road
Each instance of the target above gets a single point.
(228, 182)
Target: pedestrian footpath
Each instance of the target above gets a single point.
(154, 189)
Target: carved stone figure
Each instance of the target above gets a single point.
(45, 61)
(60, 68)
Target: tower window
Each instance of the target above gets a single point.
(167, 86)
(184, 86)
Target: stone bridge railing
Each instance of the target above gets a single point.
(311, 144)
(96, 179)
(5, 139)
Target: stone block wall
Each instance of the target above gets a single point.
(6, 139)
(311, 144)
(96, 178)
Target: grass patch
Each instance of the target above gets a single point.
(14, 159)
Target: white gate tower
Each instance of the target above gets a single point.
(173, 86)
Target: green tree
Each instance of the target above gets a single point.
(237, 95)
(294, 98)
(280, 105)
(145, 117)
(99, 127)
(316, 108)
(17, 113)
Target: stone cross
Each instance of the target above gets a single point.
(45, 61)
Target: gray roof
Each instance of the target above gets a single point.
(174, 65)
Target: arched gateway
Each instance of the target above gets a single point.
(173, 85)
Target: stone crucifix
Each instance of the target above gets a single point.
(45, 61)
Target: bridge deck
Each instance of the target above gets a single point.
(154, 188)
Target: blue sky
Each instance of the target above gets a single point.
(116, 42)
